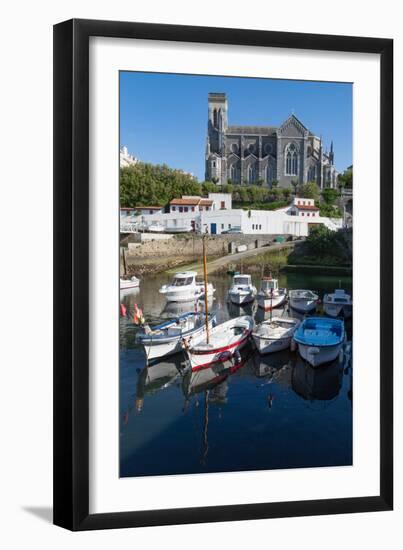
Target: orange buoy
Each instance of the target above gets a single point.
(123, 310)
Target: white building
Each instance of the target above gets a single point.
(303, 208)
(215, 218)
(195, 203)
(148, 210)
(126, 159)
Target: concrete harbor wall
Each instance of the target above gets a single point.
(189, 246)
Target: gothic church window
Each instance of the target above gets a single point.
(312, 173)
(291, 161)
(251, 174)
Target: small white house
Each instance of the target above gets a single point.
(305, 208)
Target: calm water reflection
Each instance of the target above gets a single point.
(261, 413)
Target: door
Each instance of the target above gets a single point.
(213, 228)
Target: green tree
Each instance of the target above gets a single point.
(274, 184)
(329, 195)
(309, 191)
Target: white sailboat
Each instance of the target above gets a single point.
(184, 288)
(242, 290)
(269, 295)
(274, 334)
(222, 341)
(338, 304)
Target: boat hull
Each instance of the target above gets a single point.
(267, 345)
(267, 303)
(303, 306)
(199, 361)
(319, 355)
(187, 295)
(338, 310)
(239, 299)
(155, 348)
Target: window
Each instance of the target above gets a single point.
(186, 209)
(181, 209)
(222, 226)
(291, 160)
(222, 205)
(302, 214)
(269, 172)
(253, 226)
(193, 208)
(173, 208)
(229, 226)
(251, 174)
(308, 214)
(260, 226)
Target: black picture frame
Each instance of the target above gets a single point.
(71, 274)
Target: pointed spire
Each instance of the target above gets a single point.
(331, 146)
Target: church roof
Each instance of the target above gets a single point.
(265, 130)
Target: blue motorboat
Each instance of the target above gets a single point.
(320, 339)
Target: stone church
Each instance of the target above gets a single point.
(255, 154)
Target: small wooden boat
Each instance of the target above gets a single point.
(129, 283)
(220, 343)
(275, 334)
(304, 301)
(166, 339)
(338, 304)
(242, 290)
(185, 288)
(269, 295)
(320, 339)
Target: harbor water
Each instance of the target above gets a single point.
(264, 412)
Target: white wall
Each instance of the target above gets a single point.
(27, 366)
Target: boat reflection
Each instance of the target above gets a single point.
(274, 367)
(156, 377)
(216, 374)
(126, 293)
(235, 310)
(321, 384)
(174, 309)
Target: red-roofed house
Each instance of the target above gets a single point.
(304, 208)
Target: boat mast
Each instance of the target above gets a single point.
(205, 288)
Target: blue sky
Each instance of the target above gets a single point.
(163, 117)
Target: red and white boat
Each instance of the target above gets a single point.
(269, 295)
(220, 343)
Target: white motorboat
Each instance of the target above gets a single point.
(179, 229)
(269, 295)
(133, 282)
(155, 227)
(320, 339)
(304, 301)
(166, 339)
(185, 287)
(338, 304)
(275, 334)
(242, 290)
(220, 343)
